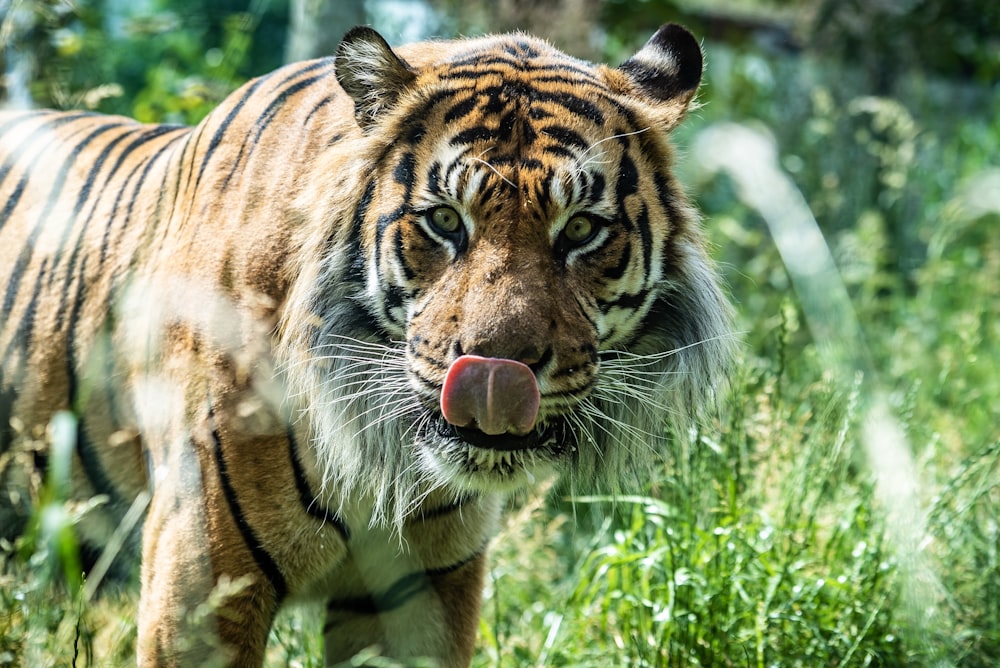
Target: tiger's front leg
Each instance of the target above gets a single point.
(434, 613)
(413, 590)
(190, 617)
(233, 532)
(204, 600)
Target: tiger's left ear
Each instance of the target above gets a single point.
(371, 73)
(666, 71)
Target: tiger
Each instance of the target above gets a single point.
(319, 339)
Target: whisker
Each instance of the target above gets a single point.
(601, 419)
(494, 170)
(583, 160)
(652, 358)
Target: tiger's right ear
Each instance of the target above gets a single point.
(371, 73)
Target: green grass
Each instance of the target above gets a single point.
(780, 534)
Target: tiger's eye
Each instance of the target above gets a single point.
(578, 229)
(445, 220)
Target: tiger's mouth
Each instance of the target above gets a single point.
(483, 429)
(476, 459)
(540, 438)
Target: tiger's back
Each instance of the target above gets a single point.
(96, 211)
(70, 231)
(331, 326)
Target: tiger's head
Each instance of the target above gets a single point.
(519, 285)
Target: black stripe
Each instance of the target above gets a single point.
(523, 163)
(30, 142)
(81, 200)
(264, 121)
(627, 301)
(445, 570)
(573, 103)
(668, 199)
(616, 272)
(306, 497)
(559, 76)
(142, 169)
(560, 152)
(403, 172)
(13, 199)
(566, 136)
(595, 188)
(70, 351)
(304, 67)
(7, 399)
(356, 271)
(434, 183)
(461, 109)
(543, 191)
(190, 145)
(382, 223)
(22, 337)
(24, 258)
(646, 234)
(521, 48)
(238, 106)
(265, 562)
(92, 467)
(220, 131)
(18, 119)
(399, 593)
(398, 248)
(425, 107)
(478, 66)
(472, 135)
(430, 361)
(111, 389)
(393, 299)
(316, 107)
(628, 177)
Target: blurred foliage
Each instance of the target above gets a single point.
(954, 38)
(958, 38)
(157, 60)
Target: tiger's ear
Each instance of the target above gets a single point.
(666, 71)
(371, 73)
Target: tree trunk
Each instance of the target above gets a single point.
(316, 26)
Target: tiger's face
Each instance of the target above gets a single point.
(528, 250)
(529, 244)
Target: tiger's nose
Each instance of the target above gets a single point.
(527, 355)
(530, 354)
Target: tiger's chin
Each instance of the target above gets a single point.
(471, 460)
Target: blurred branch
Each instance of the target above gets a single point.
(316, 26)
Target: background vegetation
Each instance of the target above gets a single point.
(842, 508)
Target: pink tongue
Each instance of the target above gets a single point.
(495, 395)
